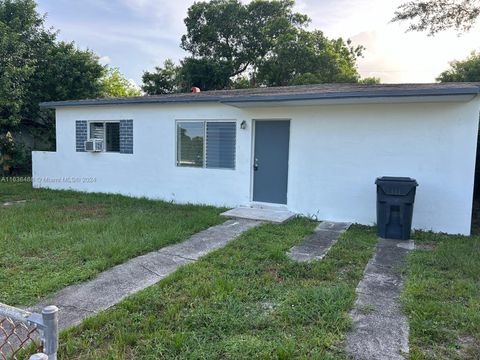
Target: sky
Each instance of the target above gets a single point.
(137, 35)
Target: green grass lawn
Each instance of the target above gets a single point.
(442, 297)
(245, 301)
(57, 238)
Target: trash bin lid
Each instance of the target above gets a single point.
(397, 186)
(395, 179)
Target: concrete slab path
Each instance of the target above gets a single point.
(380, 329)
(78, 302)
(317, 245)
(263, 214)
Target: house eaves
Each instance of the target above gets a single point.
(308, 94)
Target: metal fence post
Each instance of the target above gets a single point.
(50, 332)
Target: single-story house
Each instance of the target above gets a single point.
(315, 149)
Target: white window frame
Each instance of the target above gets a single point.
(104, 122)
(204, 142)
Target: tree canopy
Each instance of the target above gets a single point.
(238, 35)
(438, 15)
(162, 80)
(463, 70)
(305, 57)
(34, 67)
(21, 35)
(114, 84)
(237, 45)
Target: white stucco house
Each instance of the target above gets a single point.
(315, 150)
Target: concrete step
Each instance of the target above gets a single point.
(261, 214)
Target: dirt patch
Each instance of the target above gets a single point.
(273, 274)
(85, 210)
(469, 347)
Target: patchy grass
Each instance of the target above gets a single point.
(247, 300)
(57, 238)
(442, 297)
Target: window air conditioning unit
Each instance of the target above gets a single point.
(94, 145)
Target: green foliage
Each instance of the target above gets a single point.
(22, 33)
(34, 67)
(370, 81)
(238, 35)
(114, 84)
(162, 80)
(7, 148)
(215, 30)
(305, 57)
(241, 82)
(237, 45)
(15, 157)
(62, 72)
(57, 238)
(438, 15)
(204, 73)
(464, 70)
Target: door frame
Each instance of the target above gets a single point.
(252, 160)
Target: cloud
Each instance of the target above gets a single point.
(136, 35)
(105, 60)
(396, 56)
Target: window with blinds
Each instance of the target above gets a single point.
(109, 132)
(221, 138)
(207, 144)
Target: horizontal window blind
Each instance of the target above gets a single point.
(96, 131)
(221, 141)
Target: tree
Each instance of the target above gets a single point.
(264, 42)
(438, 15)
(237, 35)
(204, 73)
(162, 80)
(21, 34)
(114, 84)
(465, 70)
(309, 58)
(35, 67)
(62, 72)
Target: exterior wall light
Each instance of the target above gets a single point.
(243, 125)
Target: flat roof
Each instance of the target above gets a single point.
(286, 93)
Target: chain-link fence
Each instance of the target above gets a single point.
(23, 333)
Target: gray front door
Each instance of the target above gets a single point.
(270, 176)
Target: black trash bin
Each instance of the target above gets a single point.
(395, 198)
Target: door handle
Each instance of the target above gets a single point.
(255, 164)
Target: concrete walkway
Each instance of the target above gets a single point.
(317, 245)
(78, 302)
(380, 330)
